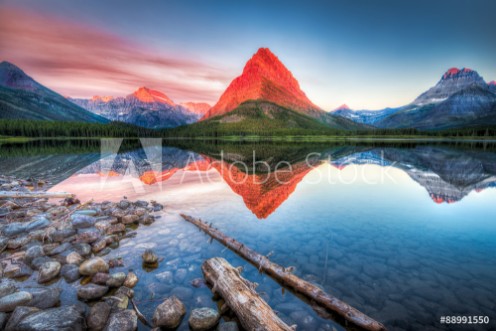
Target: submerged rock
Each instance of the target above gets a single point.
(203, 319)
(9, 302)
(131, 280)
(18, 315)
(92, 266)
(62, 318)
(169, 313)
(98, 316)
(44, 298)
(70, 272)
(91, 291)
(48, 271)
(228, 326)
(122, 320)
(149, 257)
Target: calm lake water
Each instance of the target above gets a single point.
(404, 233)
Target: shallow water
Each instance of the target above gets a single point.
(406, 234)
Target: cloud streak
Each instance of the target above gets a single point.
(81, 61)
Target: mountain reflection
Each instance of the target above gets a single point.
(266, 179)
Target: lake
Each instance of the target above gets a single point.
(406, 233)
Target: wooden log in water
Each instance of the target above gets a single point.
(239, 294)
(284, 276)
(36, 195)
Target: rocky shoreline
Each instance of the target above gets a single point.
(45, 242)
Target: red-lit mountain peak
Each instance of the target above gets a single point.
(145, 94)
(264, 77)
(492, 83)
(343, 107)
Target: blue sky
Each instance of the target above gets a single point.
(368, 54)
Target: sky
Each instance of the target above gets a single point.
(367, 54)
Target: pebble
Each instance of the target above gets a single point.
(9, 302)
(70, 272)
(62, 318)
(116, 279)
(18, 315)
(74, 258)
(98, 316)
(169, 313)
(48, 271)
(122, 320)
(80, 221)
(100, 278)
(149, 257)
(203, 319)
(91, 291)
(92, 266)
(44, 298)
(131, 280)
(6, 289)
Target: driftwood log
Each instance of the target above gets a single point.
(284, 276)
(37, 195)
(239, 294)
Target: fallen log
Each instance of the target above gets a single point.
(37, 195)
(239, 294)
(284, 276)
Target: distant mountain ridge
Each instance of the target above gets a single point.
(144, 107)
(460, 99)
(21, 97)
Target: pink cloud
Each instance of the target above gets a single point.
(82, 61)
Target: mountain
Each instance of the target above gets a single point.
(21, 97)
(199, 108)
(263, 118)
(492, 86)
(470, 107)
(367, 117)
(145, 107)
(461, 99)
(265, 78)
(453, 81)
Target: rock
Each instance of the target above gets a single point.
(131, 280)
(122, 320)
(197, 282)
(56, 212)
(88, 236)
(37, 262)
(92, 266)
(123, 204)
(104, 251)
(100, 278)
(32, 253)
(228, 326)
(3, 243)
(130, 219)
(82, 249)
(44, 298)
(62, 318)
(88, 212)
(116, 228)
(116, 280)
(74, 258)
(141, 203)
(203, 319)
(18, 242)
(13, 229)
(80, 221)
(91, 291)
(98, 316)
(18, 315)
(48, 271)
(99, 245)
(61, 235)
(70, 272)
(125, 291)
(169, 313)
(38, 222)
(60, 249)
(9, 302)
(149, 257)
(102, 225)
(3, 320)
(6, 289)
